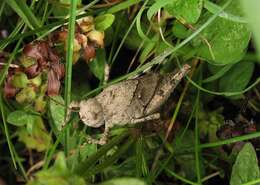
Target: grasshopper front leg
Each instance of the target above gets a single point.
(72, 105)
(105, 135)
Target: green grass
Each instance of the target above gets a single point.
(69, 58)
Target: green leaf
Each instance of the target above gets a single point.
(20, 118)
(189, 10)
(97, 66)
(124, 181)
(60, 163)
(246, 167)
(57, 174)
(228, 40)
(218, 73)
(179, 30)
(251, 8)
(20, 80)
(29, 127)
(36, 81)
(103, 22)
(37, 138)
(40, 104)
(237, 78)
(57, 111)
(26, 95)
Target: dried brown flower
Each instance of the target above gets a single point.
(9, 89)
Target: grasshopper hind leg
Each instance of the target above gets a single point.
(146, 118)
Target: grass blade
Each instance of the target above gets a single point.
(214, 8)
(69, 58)
(7, 132)
(197, 137)
(21, 8)
(123, 5)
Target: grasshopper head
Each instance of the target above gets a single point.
(91, 113)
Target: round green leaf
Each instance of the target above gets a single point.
(57, 111)
(20, 118)
(97, 66)
(237, 78)
(36, 137)
(189, 10)
(20, 80)
(228, 40)
(246, 167)
(103, 22)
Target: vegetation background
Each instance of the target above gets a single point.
(56, 51)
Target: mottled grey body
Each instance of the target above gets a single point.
(129, 102)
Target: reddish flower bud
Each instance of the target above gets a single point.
(53, 84)
(9, 89)
(89, 52)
